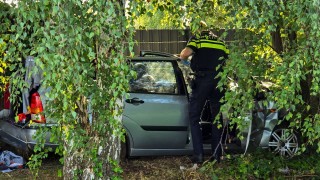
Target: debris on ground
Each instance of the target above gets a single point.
(10, 161)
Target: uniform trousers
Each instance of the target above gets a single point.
(204, 88)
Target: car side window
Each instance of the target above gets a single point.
(154, 77)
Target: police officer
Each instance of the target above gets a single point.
(207, 52)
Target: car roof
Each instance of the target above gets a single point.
(154, 56)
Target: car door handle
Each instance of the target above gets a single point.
(134, 101)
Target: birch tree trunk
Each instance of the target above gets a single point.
(81, 163)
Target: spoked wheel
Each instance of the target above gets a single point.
(285, 142)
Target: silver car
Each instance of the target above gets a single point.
(155, 117)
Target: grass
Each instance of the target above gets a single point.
(260, 165)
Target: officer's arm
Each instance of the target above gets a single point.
(185, 53)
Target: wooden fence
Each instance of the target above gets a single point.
(169, 41)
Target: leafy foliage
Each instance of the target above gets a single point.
(154, 21)
(263, 165)
(80, 47)
(272, 43)
(281, 49)
(5, 23)
(180, 14)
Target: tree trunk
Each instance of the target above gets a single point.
(81, 163)
(277, 41)
(92, 143)
(78, 165)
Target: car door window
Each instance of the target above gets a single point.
(153, 77)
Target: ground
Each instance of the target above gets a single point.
(144, 168)
(165, 168)
(180, 168)
(148, 168)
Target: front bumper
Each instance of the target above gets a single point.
(20, 137)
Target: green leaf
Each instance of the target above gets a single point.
(55, 10)
(74, 114)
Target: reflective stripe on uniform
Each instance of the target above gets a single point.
(205, 43)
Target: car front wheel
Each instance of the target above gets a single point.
(285, 142)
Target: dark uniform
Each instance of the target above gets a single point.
(209, 52)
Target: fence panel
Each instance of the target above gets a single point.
(167, 40)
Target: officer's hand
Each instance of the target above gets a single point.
(184, 62)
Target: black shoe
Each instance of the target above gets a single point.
(215, 158)
(197, 159)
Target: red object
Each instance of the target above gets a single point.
(36, 104)
(22, 117)
(6, 96)
(36, 109)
